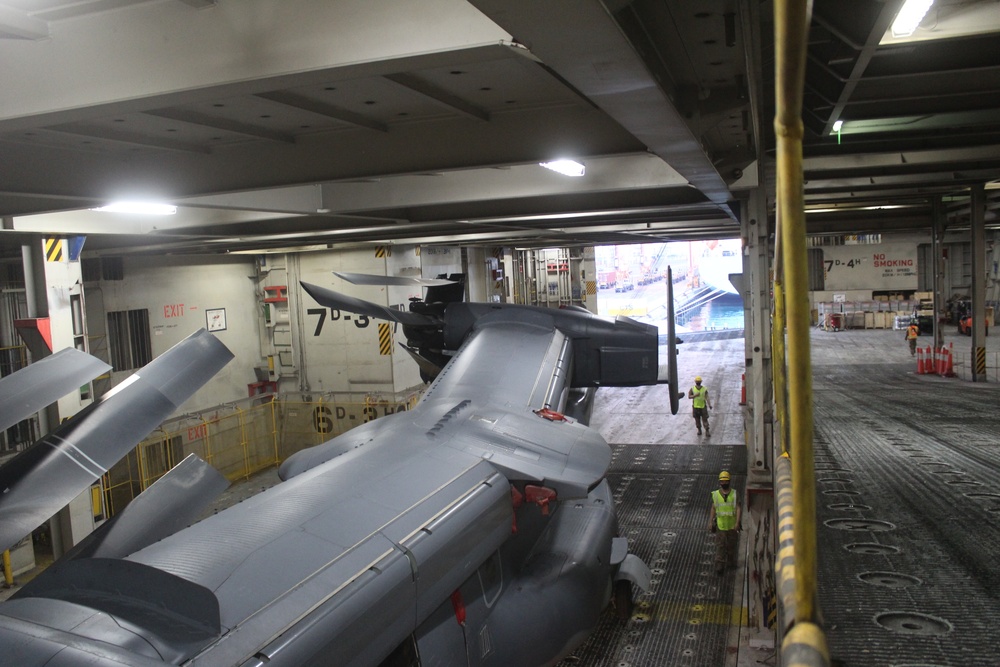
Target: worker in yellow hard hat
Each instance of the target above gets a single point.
(700, 405)
(725, 523)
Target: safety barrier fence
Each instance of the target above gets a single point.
(243, 438)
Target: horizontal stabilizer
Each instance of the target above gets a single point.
(332, 299)
(30, 389)
(173, 502)
(46, 476)
(368, 279)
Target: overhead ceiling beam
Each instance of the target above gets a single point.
(131, 138)
(18, 25)
(872, 163)
(435, 94)
(582, 43)
(195, 118)
(865, 55)
(199, 4)
(949, 179)
(330, 111)
(516, 137)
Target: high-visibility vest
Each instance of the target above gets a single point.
(725, 509)
(912, 332)
(699, 396)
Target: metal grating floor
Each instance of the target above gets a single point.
(907, 512)
(662, 495)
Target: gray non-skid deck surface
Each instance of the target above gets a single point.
(662, 495)
(662, 474)
(908, 507)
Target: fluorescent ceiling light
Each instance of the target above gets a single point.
(138, 207)
(837, 125)
(909, 17)
(565, 167)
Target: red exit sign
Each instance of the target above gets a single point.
(173, 310)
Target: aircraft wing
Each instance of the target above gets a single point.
(44, 382)
(354, 552)
(488, 402)
(45, 477)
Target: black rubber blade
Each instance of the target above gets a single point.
(369, 279)
(672, 341)
(426, 365)
(331, 299)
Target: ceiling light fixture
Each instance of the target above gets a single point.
(909, 17)
(837, 125)
(565, 167)
(138, 207)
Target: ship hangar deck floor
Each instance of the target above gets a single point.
(908, 511)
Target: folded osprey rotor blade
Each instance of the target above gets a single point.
(30, 389)
(171, 503)
(46, 476)
(368, 279)
(332, 299)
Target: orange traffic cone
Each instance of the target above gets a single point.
(941, 360)
(928, 361)
(949, 368)
(920, 361)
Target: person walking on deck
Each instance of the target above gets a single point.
(912, 332)
(725, 523)
(700, 405)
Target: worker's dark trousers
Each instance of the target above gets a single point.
(726, 542)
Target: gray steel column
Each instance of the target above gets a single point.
(33, 261)
(937, 234)
(977, 213)
(757, 316)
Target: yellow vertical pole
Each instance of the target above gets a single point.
(274, 428)
(241, 420)
(208, 442)
(8, 572)
(791, 27)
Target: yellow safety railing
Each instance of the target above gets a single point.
(804, 642)
(243, 438)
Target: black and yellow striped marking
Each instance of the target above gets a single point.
(980, 361)
(383, 251)
(384, 339)
(53, 250)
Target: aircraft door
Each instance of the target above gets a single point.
(458, 632)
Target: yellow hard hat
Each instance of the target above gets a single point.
(724, 476)
(697, 379)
